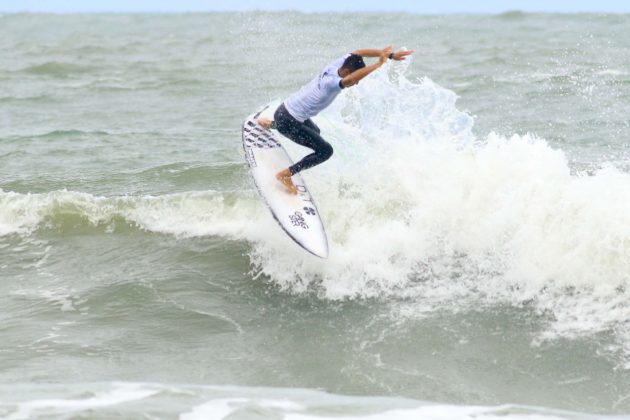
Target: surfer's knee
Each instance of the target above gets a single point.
(325, 151)
(280, 126)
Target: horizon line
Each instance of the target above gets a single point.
(426, 13)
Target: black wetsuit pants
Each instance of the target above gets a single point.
(305, 134)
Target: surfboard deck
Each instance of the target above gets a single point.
(296, 214)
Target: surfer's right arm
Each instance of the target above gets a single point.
(354, 77)
(371, 52)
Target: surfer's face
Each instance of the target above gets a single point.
(343, 72)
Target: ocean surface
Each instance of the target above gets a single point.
(477, 208)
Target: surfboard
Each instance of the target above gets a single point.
(296, 214)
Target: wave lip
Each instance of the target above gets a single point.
(190, 214)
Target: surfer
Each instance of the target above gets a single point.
(293, 116)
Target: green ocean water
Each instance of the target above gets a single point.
(477, 211)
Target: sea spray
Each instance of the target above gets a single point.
(416, 204)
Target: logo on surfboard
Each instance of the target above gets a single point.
(298, 220)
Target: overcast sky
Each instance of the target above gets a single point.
(419, 6)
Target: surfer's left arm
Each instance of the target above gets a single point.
(367, 52)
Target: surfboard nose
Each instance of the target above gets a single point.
(319, 250)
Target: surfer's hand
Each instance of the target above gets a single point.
(400, 55)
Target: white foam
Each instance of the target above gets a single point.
(191, 402)
(435, 412)
(121, 393)
(222, 408)
(216, 409)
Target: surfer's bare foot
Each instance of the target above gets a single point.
(285, 177)
(265, 122)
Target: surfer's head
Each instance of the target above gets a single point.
(351, 64)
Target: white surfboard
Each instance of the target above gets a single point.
(296, 214)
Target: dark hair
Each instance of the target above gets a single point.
(353, 63)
